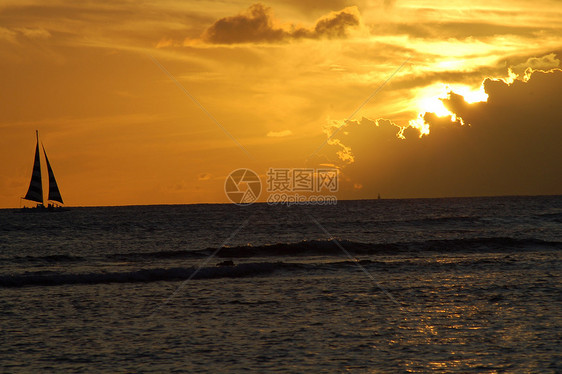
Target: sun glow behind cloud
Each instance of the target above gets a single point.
(434, 104)
(430, 100)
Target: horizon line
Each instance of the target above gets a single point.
(338, 200)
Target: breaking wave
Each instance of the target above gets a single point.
(141, 276)
(331, 247)
(279, 252)
(312, 248)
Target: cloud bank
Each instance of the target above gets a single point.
(509, 144)
(257, 25)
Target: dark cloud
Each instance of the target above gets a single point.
(253, 25)
(256, 25)
(522, 104)
(508, 145)
(336, 26)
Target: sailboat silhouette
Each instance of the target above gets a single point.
(35, 190)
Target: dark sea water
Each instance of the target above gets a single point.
(445, 285)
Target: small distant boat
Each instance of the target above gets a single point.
(35, 191)
(379, 197)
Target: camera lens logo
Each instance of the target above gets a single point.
(242, 186)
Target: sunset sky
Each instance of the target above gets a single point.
(281, 77)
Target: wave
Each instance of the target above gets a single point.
(432, 221)
(49, 259)
(552, 217)
(328, 248)
(137, 256)
(142, 275)
(227, 269)
(331, 247)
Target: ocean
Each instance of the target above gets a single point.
(420, 285)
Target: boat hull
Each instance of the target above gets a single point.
(44, 209)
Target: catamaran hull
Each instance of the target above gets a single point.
(43, 209)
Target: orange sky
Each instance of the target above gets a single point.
(281, 76)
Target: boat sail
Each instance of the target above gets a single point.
(35, 190)
(54, 193)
